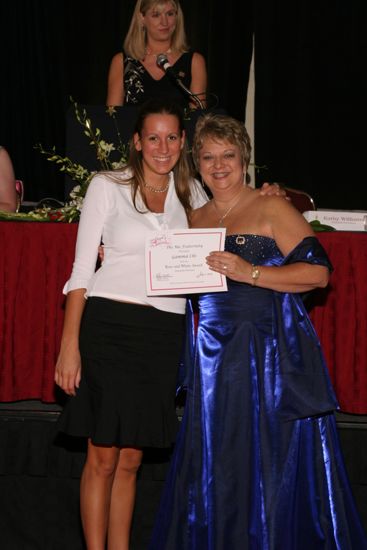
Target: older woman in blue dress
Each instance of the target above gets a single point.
(257, 463)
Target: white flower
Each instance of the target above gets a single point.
(107, 147)
(71, 210)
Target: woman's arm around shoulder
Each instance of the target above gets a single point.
(199, 77)
(115, 86)
(272, 189)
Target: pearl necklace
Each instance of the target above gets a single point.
(157, 189)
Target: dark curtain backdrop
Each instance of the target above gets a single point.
(54, 50)
(311, 93)
(310, 82)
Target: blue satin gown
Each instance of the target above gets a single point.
(257, 464)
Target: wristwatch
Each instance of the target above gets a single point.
(255, 274)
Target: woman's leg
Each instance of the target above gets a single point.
(95, 493)
(123, 498)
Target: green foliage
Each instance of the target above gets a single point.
(70, 211)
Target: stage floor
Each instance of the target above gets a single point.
(40, 471)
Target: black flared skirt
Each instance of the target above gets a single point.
(130, 357)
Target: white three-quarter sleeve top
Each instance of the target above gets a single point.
(109, 215)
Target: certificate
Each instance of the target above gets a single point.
(175, 261)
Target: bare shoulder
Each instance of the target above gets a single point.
(4, 153)
(6, 162)
(117, 61)
(198, 61)
(198, 216)
(115, 84)
(198, 212)
(275, 203)
(263, 201)
(287, 224)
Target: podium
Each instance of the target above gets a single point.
(113, 128)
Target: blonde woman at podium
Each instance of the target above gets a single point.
(156, 61)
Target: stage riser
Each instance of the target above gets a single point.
(40, 473)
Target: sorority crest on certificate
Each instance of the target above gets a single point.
(175, 261)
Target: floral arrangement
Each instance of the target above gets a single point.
(70, 211)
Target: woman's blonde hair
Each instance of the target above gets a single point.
(136, 40)
(221, 128)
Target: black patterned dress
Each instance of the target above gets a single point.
(139, 85)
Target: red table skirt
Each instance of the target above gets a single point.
(339, 315)
(37, 259)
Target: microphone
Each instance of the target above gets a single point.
(165, 65)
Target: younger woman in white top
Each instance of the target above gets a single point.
(120, 348)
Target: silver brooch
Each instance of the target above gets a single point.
(240, 239)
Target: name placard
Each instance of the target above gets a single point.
(340, 220)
